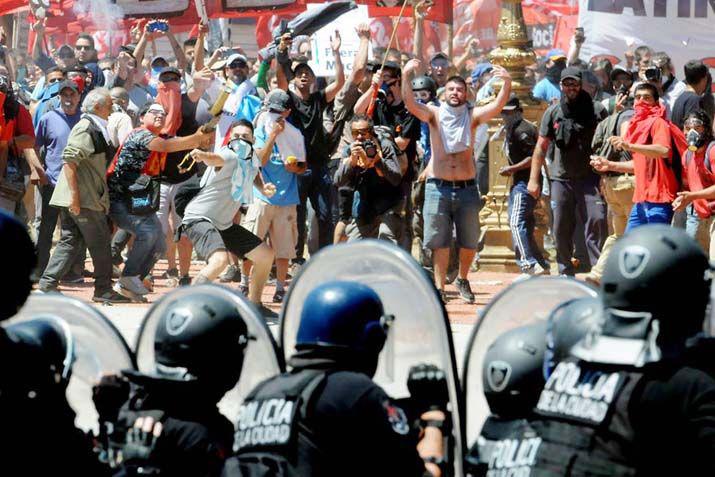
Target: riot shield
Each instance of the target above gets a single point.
(261, 360)
(520, 304)
(98, 349)
(420, 332)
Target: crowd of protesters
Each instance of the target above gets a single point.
(125, 156)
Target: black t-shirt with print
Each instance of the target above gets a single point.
(130, 163)
(307, 116)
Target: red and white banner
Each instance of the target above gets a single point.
(682, 29)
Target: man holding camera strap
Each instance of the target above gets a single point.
(371, 165)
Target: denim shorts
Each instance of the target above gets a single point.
(447, 207)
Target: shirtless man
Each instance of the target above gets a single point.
(451, 195)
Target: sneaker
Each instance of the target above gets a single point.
(465, 290)
(184, 281)
(451, 275)
(110, 296)
(47, 289)
(231, 274)
(535, 270)
(128, 294)
(243, 289)
(269, 315)
(134, 285)
(116, 272)
(170, 273)
(72, 279)
(278, 296)
(148, 283)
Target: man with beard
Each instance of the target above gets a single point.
(307, 115)
(548, 88)
(451, 195)
(570, 125)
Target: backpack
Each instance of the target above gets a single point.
(677, 144)
(293, 451)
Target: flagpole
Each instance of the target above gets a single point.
(450, 39)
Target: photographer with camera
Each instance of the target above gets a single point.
(371, 166)
(622, 81)
(671, 87)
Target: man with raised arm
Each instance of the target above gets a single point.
(451, 195)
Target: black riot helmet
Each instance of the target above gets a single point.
(48, 350)
(660, 270)
(567, 325)
(19, 261)
(424, 83)
(201, 338)
(512, 370)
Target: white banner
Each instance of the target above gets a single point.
(323, 61)
(681, 28)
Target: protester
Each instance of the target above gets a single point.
(548, 88)
(519, 142)
(697, 87)
(51, 137)
(451, 197)
(570, 125)
(281, 151)
(133, 195)
(208, 218)
(81, 194)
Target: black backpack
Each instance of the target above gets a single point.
(288, 449)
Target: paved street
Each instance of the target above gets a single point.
(462, 316)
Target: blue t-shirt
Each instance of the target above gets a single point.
(51, 133)
(275, 172)
(546, 91)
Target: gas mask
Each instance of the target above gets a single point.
(695, 140)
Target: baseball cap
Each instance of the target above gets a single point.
(556, 54)
(302, 64)
(571, 72)
(236, 57)
(278, 101)
(157, 59)
(480, 70)
(169, 70)
(65, 51)
(129, 48)
(512, 104)
(439, 55)
(69, 84)
(619, 70)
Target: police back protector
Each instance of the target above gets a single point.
(272, 436)
(583, 420)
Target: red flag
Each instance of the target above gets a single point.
(252, 8)
(440, 12)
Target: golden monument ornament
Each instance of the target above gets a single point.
(514, 53)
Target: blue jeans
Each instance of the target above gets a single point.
(447, 206)
(149, 239)
(521, 223)
(316, 185)
(644, 213)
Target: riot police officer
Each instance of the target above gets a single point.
(629, 404)
(37, 421)
(327, 416)
(514, 371)
(512, 379)
(199, 344)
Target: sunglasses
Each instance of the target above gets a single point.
(238, 64)
(570, 84)
(83, 47)
(169, 79)
(157, 112)
(358, 132)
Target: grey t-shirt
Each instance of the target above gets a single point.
(225, 191)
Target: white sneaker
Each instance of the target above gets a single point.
(134, 285)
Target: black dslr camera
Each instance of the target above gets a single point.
(370, 148)
(652, 74)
